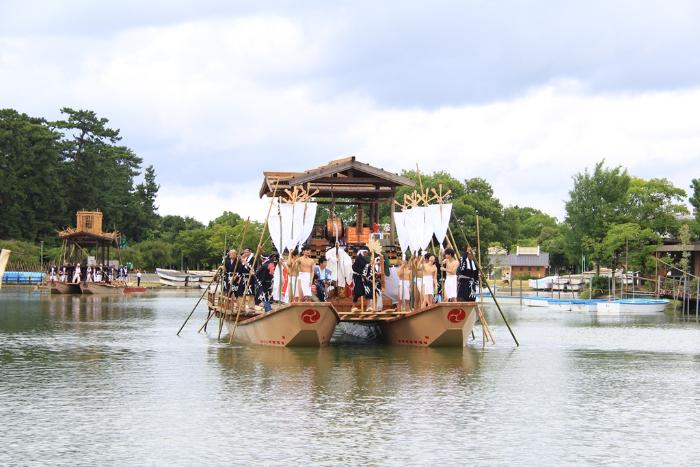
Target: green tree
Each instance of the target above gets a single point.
(98, 173)
(656, 203)
(31, 201)
(629, 245)
(597, 202)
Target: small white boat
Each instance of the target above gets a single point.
(175, 278)
(632, 306)
(536, 301)
(182, 284)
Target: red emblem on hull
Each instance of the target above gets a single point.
(456, 315)
(310, 316)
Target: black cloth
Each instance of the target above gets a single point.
(361, 278)
(230, 269)
(240, 280)
(467, 279)
(263, 282)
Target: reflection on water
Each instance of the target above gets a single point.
(95, 380)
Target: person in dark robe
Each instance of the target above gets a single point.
(467, 277)
(263, 281)
(230, 264)
(243, 272)
(361, 277)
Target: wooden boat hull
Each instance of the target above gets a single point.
(64, 288)
(95, 288)
(306, 324)
(440, 325)
(169, 283)
(134, 289)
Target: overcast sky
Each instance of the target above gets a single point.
(522, 93)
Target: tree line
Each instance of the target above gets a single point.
(51, 169)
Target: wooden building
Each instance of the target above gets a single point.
(525, 262)
(88, 239)
(343, 182)
(674, 252)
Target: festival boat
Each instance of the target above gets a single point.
(292, 224)
(100, 288)
(57, 287)
(301, 324)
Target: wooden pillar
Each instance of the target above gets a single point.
(391, 219)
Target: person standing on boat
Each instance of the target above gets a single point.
(263, 282)
(467, 277)
(306, 270)
(76, 273)
(404, 274)
(88, 274)
(451, 264)
(230, 264)
(429, 279)
(323, 277)
(244, 270)
(361, 278)
(52, 273)
(138, 278)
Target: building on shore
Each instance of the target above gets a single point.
(526, 262)
(672, 252)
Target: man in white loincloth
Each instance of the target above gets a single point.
(450, 263)
(306, 269)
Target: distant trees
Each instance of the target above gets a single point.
(50, 170)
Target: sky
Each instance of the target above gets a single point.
(522, 93)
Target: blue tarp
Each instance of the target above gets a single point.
(15, 277)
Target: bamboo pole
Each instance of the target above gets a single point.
(238, 259)
(492, 294)
(257, 253)
(197, 304)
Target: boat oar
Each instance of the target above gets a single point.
(216, 276)
(255, 258)
(493, 296)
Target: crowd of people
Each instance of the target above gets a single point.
(296, 276)
(76, 273)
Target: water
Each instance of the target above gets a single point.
(95, 380)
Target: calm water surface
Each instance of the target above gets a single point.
(91, 380)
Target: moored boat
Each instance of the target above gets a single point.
(632, 306)
(98, 288)
(174, 278)
(64, 288)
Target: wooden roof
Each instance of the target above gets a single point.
(84, 238)
(341, 178)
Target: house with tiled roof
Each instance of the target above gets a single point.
(526, 261)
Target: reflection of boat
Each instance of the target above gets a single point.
(632, 305)
(64, 288)
(97, 288)
(174, 278)
(439, 325)
(303, 324)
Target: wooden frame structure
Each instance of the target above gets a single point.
(88, 234)
(344, 181)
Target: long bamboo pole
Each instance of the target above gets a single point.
(238, 259)
(493, 296)
(255, 258)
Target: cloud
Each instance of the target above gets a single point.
(214, 97)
